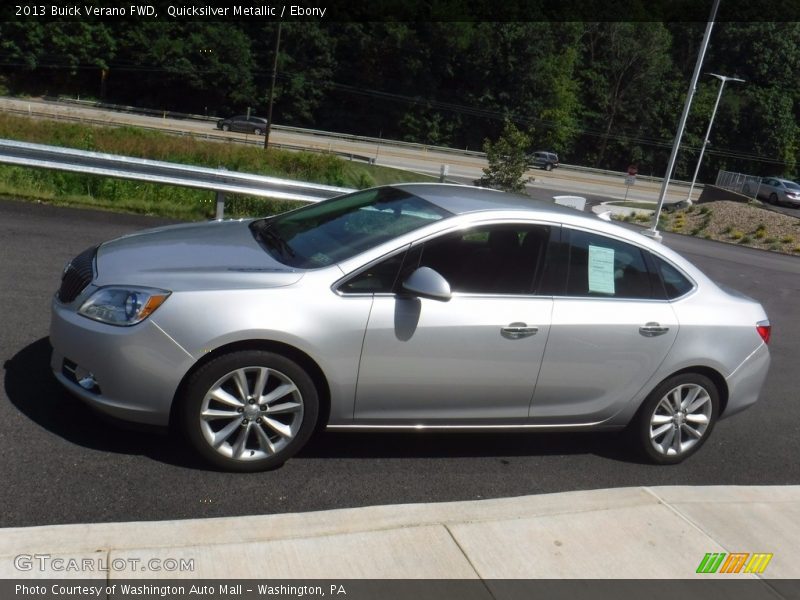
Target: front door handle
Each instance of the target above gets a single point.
(516, 331)
(652, 329)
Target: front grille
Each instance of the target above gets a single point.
(77, 275)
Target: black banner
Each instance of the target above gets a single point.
(712, 588)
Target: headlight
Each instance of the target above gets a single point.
(122, 306)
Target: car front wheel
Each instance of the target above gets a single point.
(258, 131)
(548, 167)
(677, 418)
(226, 128)
(249, 410)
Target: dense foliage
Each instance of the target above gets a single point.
(598, 94)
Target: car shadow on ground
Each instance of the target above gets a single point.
(35, 392)
(462, 444)
(32, 389)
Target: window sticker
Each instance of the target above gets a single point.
(601, 270)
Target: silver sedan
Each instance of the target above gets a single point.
(777, 191)
(416, 306)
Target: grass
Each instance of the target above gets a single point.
(75, 189)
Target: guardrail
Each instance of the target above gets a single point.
(152, 171)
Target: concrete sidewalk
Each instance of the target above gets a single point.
(658, 532)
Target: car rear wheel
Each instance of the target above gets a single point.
(773, 198)
(249, 410)
(226, 128)
(677, 418)
(258, 131)
(548, 167)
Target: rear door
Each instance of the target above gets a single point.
(610, 330)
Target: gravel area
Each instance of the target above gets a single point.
(737, 223)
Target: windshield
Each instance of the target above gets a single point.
(334, 230)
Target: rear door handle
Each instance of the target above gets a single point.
(516, 331)
(652, 329)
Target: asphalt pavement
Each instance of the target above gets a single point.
(63, 464)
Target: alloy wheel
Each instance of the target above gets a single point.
(680, 419)
(251, 413)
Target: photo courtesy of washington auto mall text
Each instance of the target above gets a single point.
(170, 589)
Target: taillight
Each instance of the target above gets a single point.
(764, 329)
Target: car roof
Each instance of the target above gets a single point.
(462, 199)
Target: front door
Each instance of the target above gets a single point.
(473, 359)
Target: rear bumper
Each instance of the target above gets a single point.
(745, 383)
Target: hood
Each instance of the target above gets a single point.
(209, 255)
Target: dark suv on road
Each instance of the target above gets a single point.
(244, 124)
(543, 160)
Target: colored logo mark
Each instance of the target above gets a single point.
(735, 562)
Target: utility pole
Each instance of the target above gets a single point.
(272, 86)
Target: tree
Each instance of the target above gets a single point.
(625, 83)
(507, 160)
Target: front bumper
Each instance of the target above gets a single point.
(137, 369)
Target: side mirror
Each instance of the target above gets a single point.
(427, 283)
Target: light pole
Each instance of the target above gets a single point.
(676, 144)
(723, 80)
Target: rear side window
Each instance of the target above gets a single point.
(675, 283)
(599, 266)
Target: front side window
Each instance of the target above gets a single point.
(323, 234)
(495, 259)
(380, 278)
(603, 267)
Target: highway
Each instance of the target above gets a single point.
(63, 464)
(462, 166)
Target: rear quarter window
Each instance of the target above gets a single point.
(676, 284)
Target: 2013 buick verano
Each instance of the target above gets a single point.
(417, 306)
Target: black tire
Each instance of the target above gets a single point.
(249, 436)
(226, 128)
(655, 416)
(773, 198)
(548, 167)
(258, 131)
